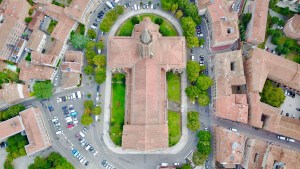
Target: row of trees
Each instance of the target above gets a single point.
(15, 149)
(272, 95)
(11, 112)
(189, 21)
(110, 18)
(42, 89)
(193, 121)
(200, 83)
(89, 110)
(243, 25)
(54, 161)
(203, 146)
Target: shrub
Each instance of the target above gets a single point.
(135, 20)
(164, 31)
(158, 21)
(272, 95)
(28, 19)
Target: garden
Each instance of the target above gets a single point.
(174, 87)
(117, 108)
(51, 26)
(174, 124)
(165, 27)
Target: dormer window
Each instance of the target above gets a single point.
(232, 66)
(230, 30)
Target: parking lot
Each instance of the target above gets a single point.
(289, 106)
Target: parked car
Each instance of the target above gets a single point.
(50, 108)
(290, 140)
(298, 109)
(233, 129)
(3, 144)
(281, 137)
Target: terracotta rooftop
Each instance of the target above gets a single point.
(17, 9)
(73, 56)
(290, 158)
(254, 153)
(12, 93)
(146, 56)
(38, 58)
(29, 71)
(203, 4)
(262, 65)
(36, 20)
(292, 27)
(73, 62)
(10, 127)
(36, 132)
(63, 28)
(35, 39)
(70, 79)
(230, 100)
(256, 28)
(53, 11)
(224, 23)
(76, 9)
(229, 146)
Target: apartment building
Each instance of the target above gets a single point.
(222, 23)
(256, 29)
(292, 27)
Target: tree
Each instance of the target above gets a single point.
(88, 69)
(188, 26)
(281, 22)
(272, 95)
(271, 31)
(88, 104)
(182, 3)
(186, 166)
(285, 50)
(204, 82)
(8, 165)
(199, 158)
(135, 20)
(275, 40)
(274, 20)
(43, 89)
(246, 18)
(54, 160)
(204, 135)
(193, 121)
(100, 44)
(285, 11)
(28, 19)
(201, 42)
(192, 69)
(97, 110)
(86, 119)
(158, 20)
(179, 14)
(90, 45)
(203, 99)
(204, 147)
(90, 54)
(192, 42)
(100, 76)
(79, 41)
(99, 60)
(91, 34)
(192, 92)
(164, 30)
(174, 8)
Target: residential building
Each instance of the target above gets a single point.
(229, 147)
(81, 10)
(261, 65)
(292, 27)
(35, 129)
(37, 41)
(145, 58)
(11, 127)
(31, 120)
(15, 8)
(256, 28)
(63, 28)
(223, 24)
(202, 6)
(71, 69)
(229, 89)
(255, 151)
(12, 93)
(30, 71)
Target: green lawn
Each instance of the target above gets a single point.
(174, 124)
(293, 57)
(52, 25)
(173, 81)
(117, 112)
(127, 27)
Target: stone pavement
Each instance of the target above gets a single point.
(107, 92)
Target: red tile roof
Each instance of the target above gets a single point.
(10, 127)
(292, 27)
(63, 28)
(12, 93)
(29, 71)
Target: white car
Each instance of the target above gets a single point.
(94, 27)
(59, 100)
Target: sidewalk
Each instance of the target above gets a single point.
(107, 92)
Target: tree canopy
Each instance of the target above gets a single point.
(43, 89)
(272, 95)
(203, 82)
(192, 92)
(99, 60)
(88, 69)
(79, 41)
(54, 161)
(97, 110)
(12, 111)
(100, 75)
(86, 119)
(193, 121)
(192, 69)
(91, 34)
(111, 17)
(203, 98)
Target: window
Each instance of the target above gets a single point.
(256, 157)
(232, 66)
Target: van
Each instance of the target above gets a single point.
(281, 138)
(78, 94)
(192, 57)
(233, 129)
